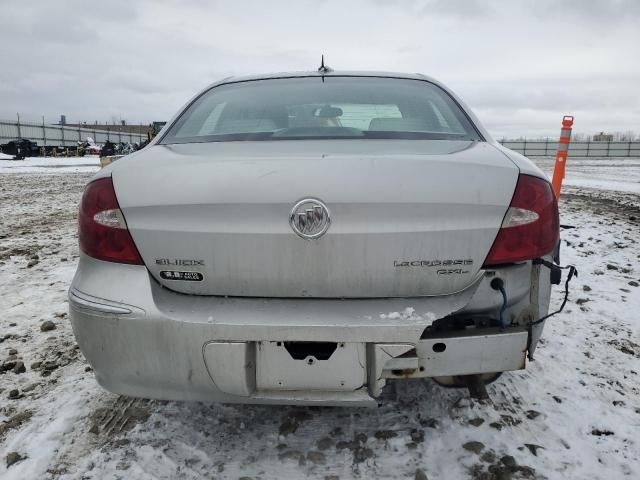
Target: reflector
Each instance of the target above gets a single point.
(110, 218)
(518, 216)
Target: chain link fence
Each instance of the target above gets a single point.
(62, 135)
(68, 136)
(547, 148)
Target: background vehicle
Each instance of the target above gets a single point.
(20, 148)
(301, 238)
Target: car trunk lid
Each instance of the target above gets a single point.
(408, 218)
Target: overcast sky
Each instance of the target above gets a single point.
(519, 64)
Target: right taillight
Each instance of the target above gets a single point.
(102, 229)
(531, 227)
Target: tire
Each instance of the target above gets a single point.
(458, 382)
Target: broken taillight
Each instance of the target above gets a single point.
(531, 227)
(102, 229)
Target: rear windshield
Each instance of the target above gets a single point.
(318, 108)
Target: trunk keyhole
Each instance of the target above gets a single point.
(439, 347)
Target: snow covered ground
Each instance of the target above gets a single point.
(55, 165)
(620, 174)
(574, 413)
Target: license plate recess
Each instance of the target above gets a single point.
(305, 366)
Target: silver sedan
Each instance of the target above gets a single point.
(302, 238)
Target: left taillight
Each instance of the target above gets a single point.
(102, 229)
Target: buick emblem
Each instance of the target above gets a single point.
(310, 218)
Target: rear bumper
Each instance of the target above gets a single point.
(145, 341)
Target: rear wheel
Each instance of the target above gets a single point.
(460, 381)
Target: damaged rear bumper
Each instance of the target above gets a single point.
(146, 341)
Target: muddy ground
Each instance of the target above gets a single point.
(573, 413)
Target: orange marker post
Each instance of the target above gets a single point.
(562, 154)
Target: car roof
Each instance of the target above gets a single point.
(330, 73)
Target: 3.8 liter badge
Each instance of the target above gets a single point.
(184, 276)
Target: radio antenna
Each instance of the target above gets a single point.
(324, 68)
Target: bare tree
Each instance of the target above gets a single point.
(628, 136)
